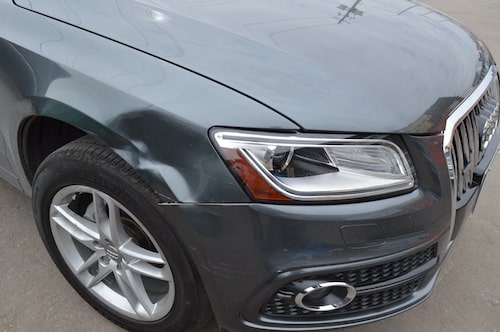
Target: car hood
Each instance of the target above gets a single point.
(335, 66)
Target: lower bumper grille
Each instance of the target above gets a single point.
(382, 298)
(377, 286)
(286, 308)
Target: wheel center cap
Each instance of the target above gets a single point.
(112, 253)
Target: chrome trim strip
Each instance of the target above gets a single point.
(466, 106)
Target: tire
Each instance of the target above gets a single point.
(99, 221)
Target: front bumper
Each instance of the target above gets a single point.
(245, 253)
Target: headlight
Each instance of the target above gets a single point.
(292, 167)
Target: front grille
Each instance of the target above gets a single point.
(286, 308)
(283, 302)
(471, 137)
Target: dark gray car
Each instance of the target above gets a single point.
(282, 164)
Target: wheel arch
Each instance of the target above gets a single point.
(53, 124)
(38, 137)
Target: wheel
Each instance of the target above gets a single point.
(99, 222)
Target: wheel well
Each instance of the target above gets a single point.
(39, 137)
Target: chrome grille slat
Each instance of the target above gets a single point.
(466, 145)
(464, 134)
(459, 154)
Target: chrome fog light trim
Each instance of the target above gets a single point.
(326, 296)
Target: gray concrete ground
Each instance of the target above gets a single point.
(35, 297)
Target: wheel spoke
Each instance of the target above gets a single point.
(100, 215)
(117, 233)
(149, 270)
(89, 262)
(133, 289)
(132, 251)
(102, 273)
(78, 227)
(109, 222)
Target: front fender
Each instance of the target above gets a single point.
(154, 114)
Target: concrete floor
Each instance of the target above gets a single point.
(35, 297)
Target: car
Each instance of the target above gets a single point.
(281, 165)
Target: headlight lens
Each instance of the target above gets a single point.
(291, 167)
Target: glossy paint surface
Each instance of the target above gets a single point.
(150, 78)
(327, 65)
